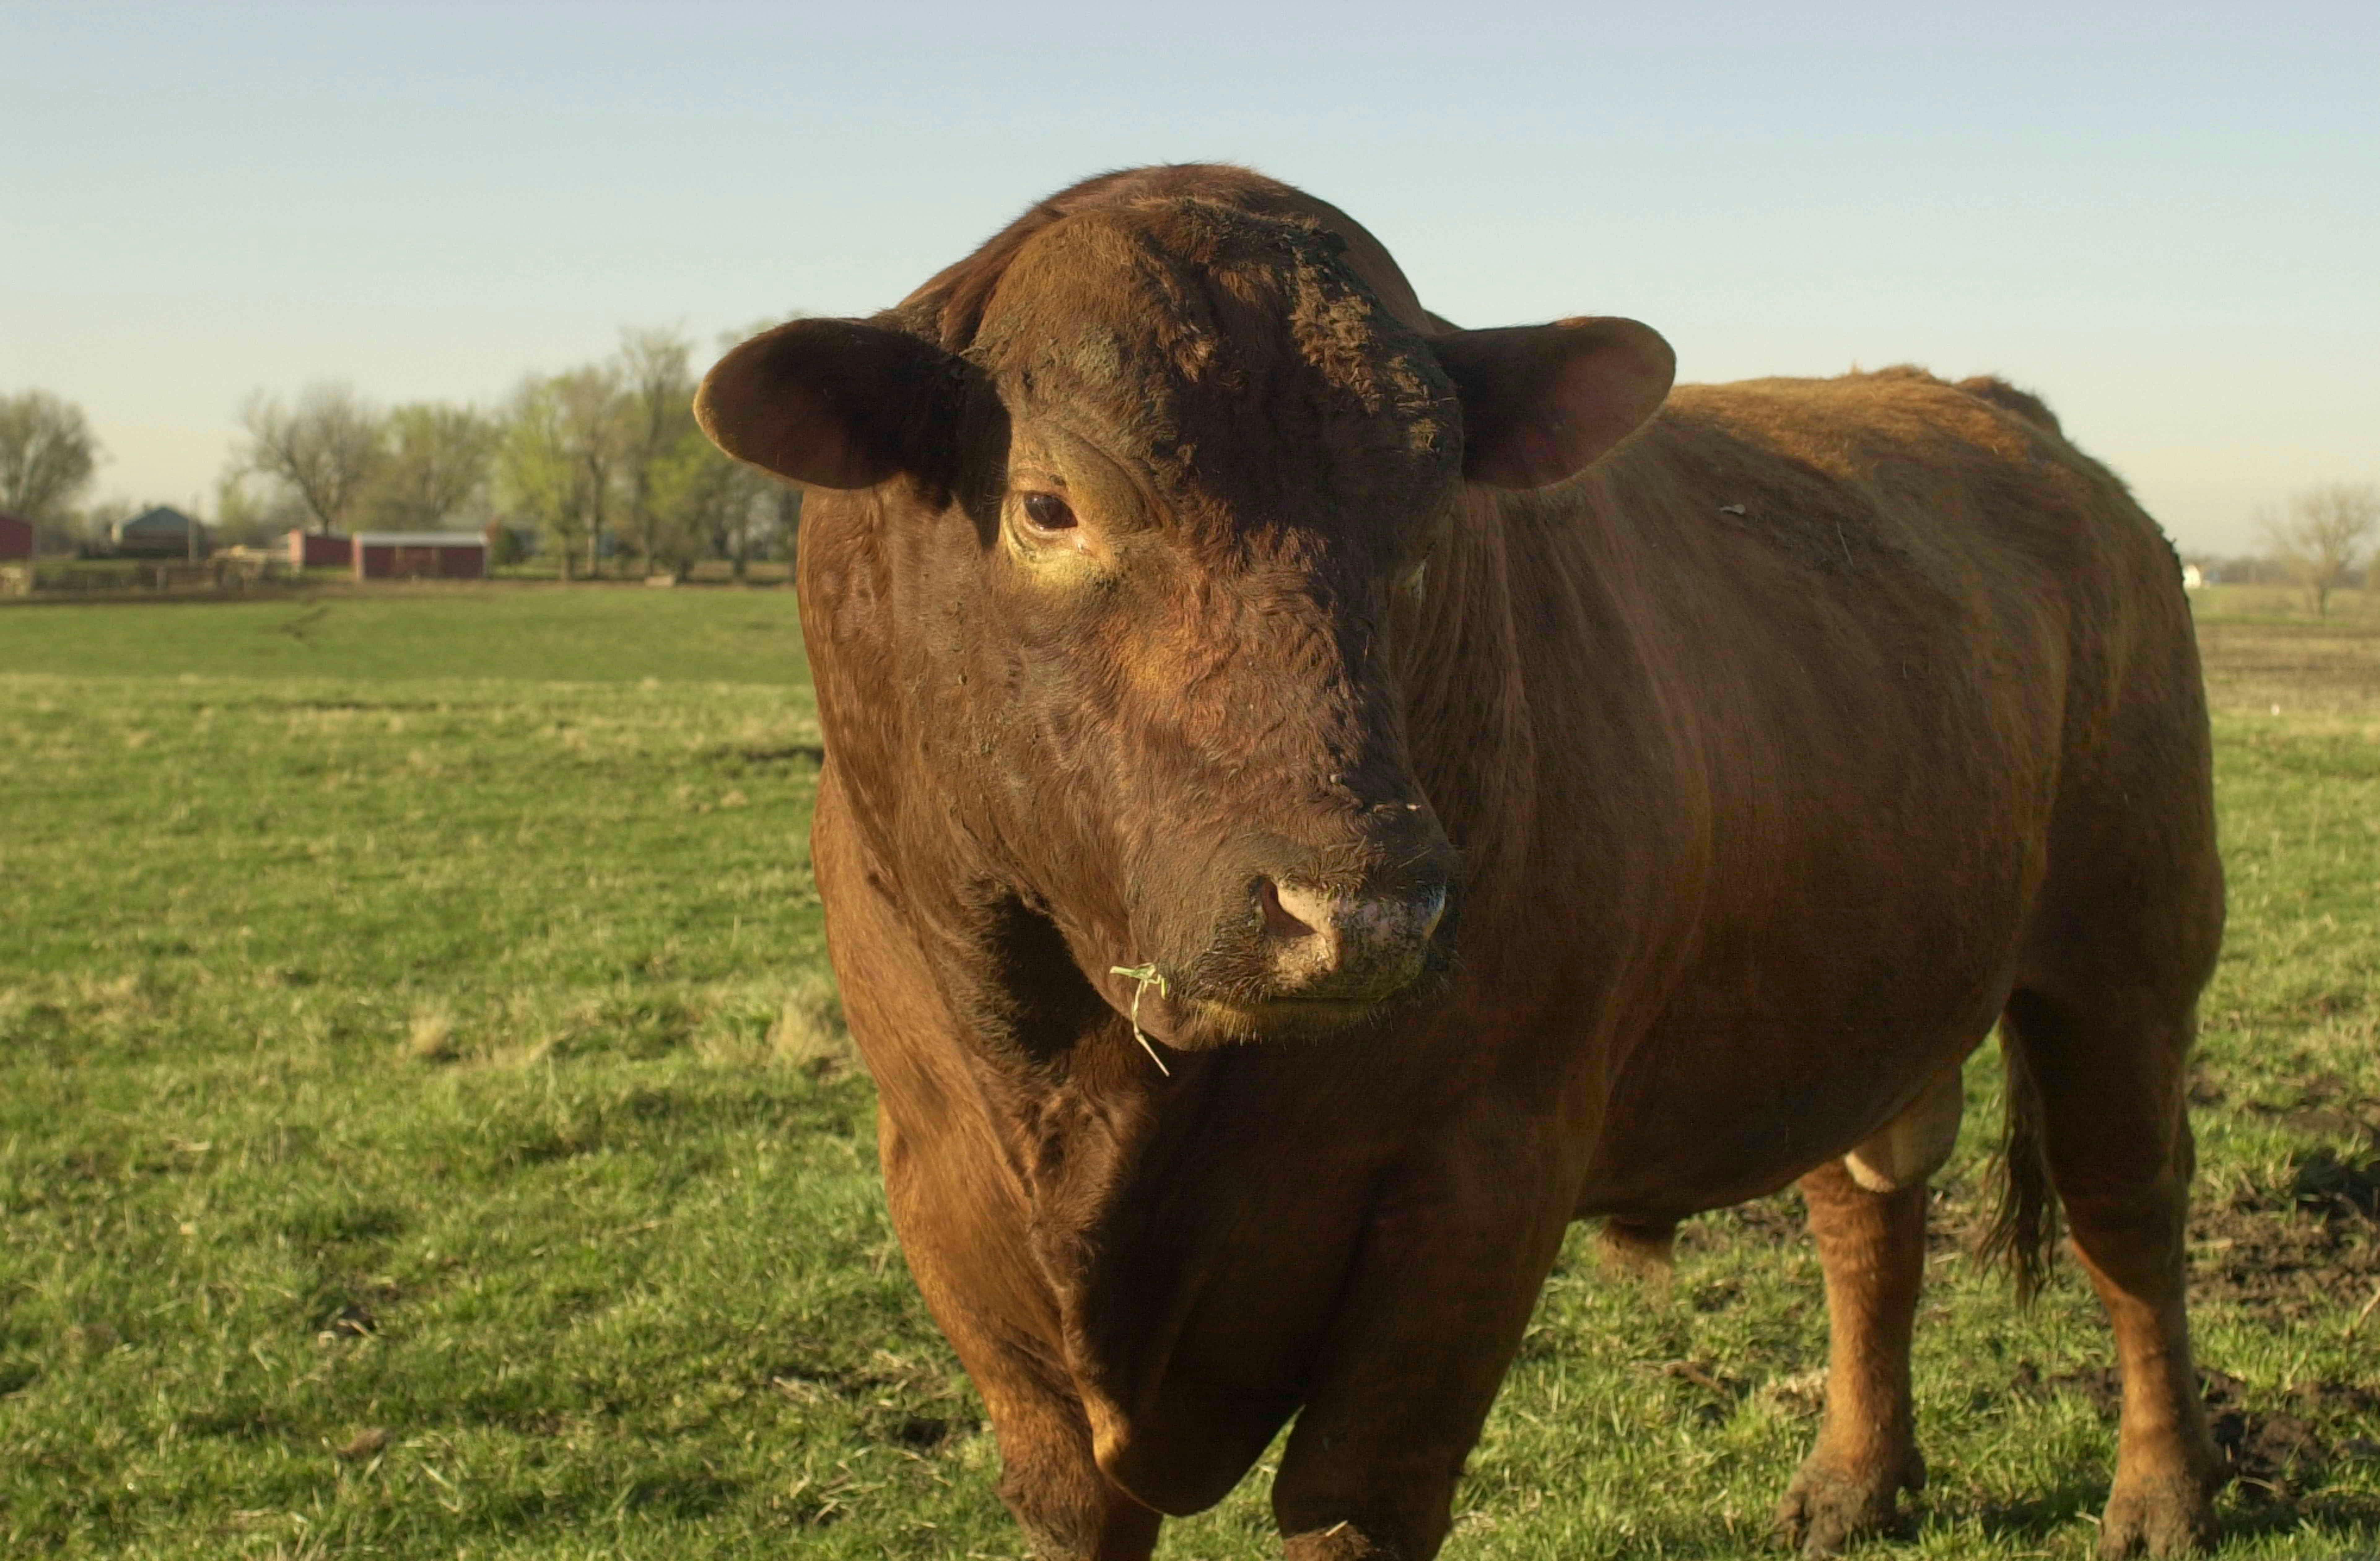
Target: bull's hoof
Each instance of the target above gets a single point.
(1342, 1541)
(1833, 1503)
(2171, 1515)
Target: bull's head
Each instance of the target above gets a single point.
(1133, 532)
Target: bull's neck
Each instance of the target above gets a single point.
(1468, 717)
(1534, 721)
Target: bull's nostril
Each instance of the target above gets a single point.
(1433, 910)
(1279, 920)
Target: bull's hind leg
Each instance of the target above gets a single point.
(1867, 1212)
(2108, 1071)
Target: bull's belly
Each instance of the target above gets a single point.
(1708, 1119)
(1811, 1018)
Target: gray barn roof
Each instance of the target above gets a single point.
(164, 518)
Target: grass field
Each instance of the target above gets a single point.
(425, 1131)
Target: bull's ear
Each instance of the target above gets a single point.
(1541, 402)
(834, 402)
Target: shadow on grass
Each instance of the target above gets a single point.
(332, 1225)
(690, 1495)
(2033, 1518)
(2347, 1519)
(671, 1119)
(243, 1419)
(2338, 1187)
(806, 752)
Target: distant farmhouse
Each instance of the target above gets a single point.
(163, 532)
(15, 537)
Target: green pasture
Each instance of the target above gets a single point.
(426, 1131)
(528, 633)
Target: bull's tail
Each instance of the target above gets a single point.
(2024, 1228)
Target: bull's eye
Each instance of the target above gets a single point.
(1047, 512)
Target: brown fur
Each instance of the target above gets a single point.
(1767, 761)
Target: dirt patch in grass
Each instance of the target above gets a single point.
(2300, 1247)
(2329, 665)
(2277, 1445)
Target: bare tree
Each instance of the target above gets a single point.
(47, 455)
(657, 387)
(594, 429)
(327, 448)
(558, 459)
(437, 459)
(708, 502)
(535, 476)
(2322, 536)
(252, 515)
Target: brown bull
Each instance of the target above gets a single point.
(1317, 800)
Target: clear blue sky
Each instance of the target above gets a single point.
(2165, 218)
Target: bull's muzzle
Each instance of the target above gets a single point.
(1321, 945)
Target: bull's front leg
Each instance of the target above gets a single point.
(1435, 1309)
(1068, 1509)
(983, 1298)
(1049, 1476)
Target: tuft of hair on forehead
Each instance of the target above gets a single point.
(1167, 295)
(1205, 314)
(948, 308)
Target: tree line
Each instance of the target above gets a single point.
(599, 468)
(2321, 541)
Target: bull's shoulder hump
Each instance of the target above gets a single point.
(1845, 422)
(1858, 396)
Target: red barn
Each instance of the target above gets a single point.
(421, 555)
(15, 537)
(307, 548)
